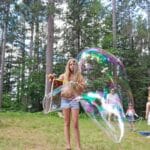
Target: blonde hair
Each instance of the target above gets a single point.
(77, 73)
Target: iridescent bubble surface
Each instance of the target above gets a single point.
(107, 94)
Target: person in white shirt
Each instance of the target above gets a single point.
(112, 97)
(113, 100)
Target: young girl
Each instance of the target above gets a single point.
(130, 113)
(74, 85)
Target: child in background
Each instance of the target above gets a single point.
(147, 116)
(130, 113)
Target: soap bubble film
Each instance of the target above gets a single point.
(108, 93)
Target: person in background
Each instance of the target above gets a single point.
(147, 115)
(114, 101)
(130, 113)
(74, 85)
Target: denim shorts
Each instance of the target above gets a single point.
(65, 103)
(131, 118)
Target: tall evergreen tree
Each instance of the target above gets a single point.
(5, 6)
(50, 42)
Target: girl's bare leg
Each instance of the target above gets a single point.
(66, 113)
(75, 117)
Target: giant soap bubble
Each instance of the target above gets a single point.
(105, 73)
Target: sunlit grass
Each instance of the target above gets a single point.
(36, 131)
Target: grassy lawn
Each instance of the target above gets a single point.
(36, 131)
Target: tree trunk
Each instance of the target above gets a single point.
(114, 22)
(36, 50)
(5, 19)
(49, 50)
(2, 62)
(23, 65)
(31, 47)
(148, 14)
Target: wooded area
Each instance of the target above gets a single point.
(37, 37)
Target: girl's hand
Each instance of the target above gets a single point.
(51, 77)
(73, 84)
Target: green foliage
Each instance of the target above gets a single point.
(6, 101)
(107, 41)
(9, 104)
(84, 26)
(35, 91)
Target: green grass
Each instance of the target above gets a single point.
(36, 131)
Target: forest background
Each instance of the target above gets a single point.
(37, 37)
